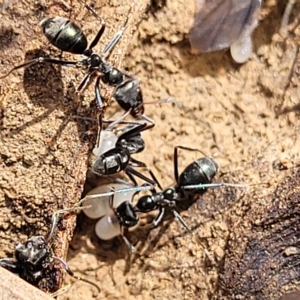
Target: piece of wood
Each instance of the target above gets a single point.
(12, 287)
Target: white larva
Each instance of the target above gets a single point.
(108, 227)
(107, 141)
(100, 206)
(241, 50)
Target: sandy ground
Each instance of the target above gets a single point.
(246, 117)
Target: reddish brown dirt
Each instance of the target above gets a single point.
(226, 110)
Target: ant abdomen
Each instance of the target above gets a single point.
(203, 170)
(64, 34)
(111, 162)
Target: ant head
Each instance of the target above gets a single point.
(34, 251)
(129, 96)
(138, 111)
(126, 214)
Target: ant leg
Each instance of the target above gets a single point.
(9, 265)
(118, 121)
(67, 268)
(176, 158)
(139, 164)
(125, 190)
(131, 177)
(100, 103)
(117, 37)
(130, 171)
(179, 218)
(159, 217)
(101, 30)
(144, 117)
(46, 60)
(137, 123)
(135, 163)
(140, 127)
(84, 83)
(165, 100)
(125, 239)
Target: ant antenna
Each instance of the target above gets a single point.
(116, 122)
(214, 185)
(69, 271)
(179, 218)
(56, 215)
(133, 189)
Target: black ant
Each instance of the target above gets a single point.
(35, 261)
(118, 213)
(69, 37)
(113, 153)
(194, 180)
(114, 209)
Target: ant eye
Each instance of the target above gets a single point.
(29, 245)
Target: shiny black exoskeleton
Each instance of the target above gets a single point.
(131, 138)
(64, 34)
(35, 261)
(126, 214)
(195, 179)
(118, 158)
(35, 264)
(67, 36)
